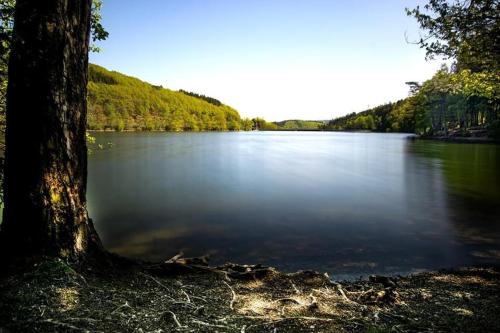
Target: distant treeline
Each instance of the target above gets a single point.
(296, 124)
(119, 102)
(203, 97)
(451, 103)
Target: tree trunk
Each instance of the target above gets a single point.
(46, 154)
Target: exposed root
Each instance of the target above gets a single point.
(233, 299)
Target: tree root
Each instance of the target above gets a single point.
(231, 303)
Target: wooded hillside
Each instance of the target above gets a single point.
(120, 102)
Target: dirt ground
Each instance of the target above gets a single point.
(49, 295)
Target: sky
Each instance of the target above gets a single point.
(277, 59)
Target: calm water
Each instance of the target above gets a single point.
(345, 203)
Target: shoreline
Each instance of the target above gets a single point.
(456, 139)
(411, 136)
(187, 295)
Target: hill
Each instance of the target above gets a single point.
(120, 102)
(295, 124)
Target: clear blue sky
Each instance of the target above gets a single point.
(278, 59)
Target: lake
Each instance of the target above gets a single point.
(348, 204)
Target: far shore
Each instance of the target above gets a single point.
(412, 136)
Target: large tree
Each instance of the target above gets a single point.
(46, 155)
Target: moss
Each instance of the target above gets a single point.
(53, 268)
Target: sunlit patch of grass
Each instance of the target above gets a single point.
(462, 295)
(254, 284)
(463, 312)
(68, 298)
(296, 304)
(256, 304)
(462, 280)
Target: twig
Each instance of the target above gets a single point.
(59, 323)
(321, 292)
(199, 322)
(297, 291)
(175, 258)
(187, 296)
(286, 318)
(307, 318)
(126, 305)
(174, 317)
(89, 320)
(200, 298)
(231, 304)
(155, 280)
(342, 293)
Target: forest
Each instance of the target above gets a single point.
(451, 103)
(299, 125)
(119, 102)
(460, 100)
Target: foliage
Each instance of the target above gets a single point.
(459, 102)
(7, 10)
(119, 102)
(259, 124)
(6, 24)
(210, 100)
(448, 103)
(97, 30)
(377, 119)
(467, 31)
(299, 124)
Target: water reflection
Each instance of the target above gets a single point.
(338, 202)
(473, 194)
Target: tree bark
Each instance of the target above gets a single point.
(46, 154)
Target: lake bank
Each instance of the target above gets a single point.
(52, 296)
(457, 139)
